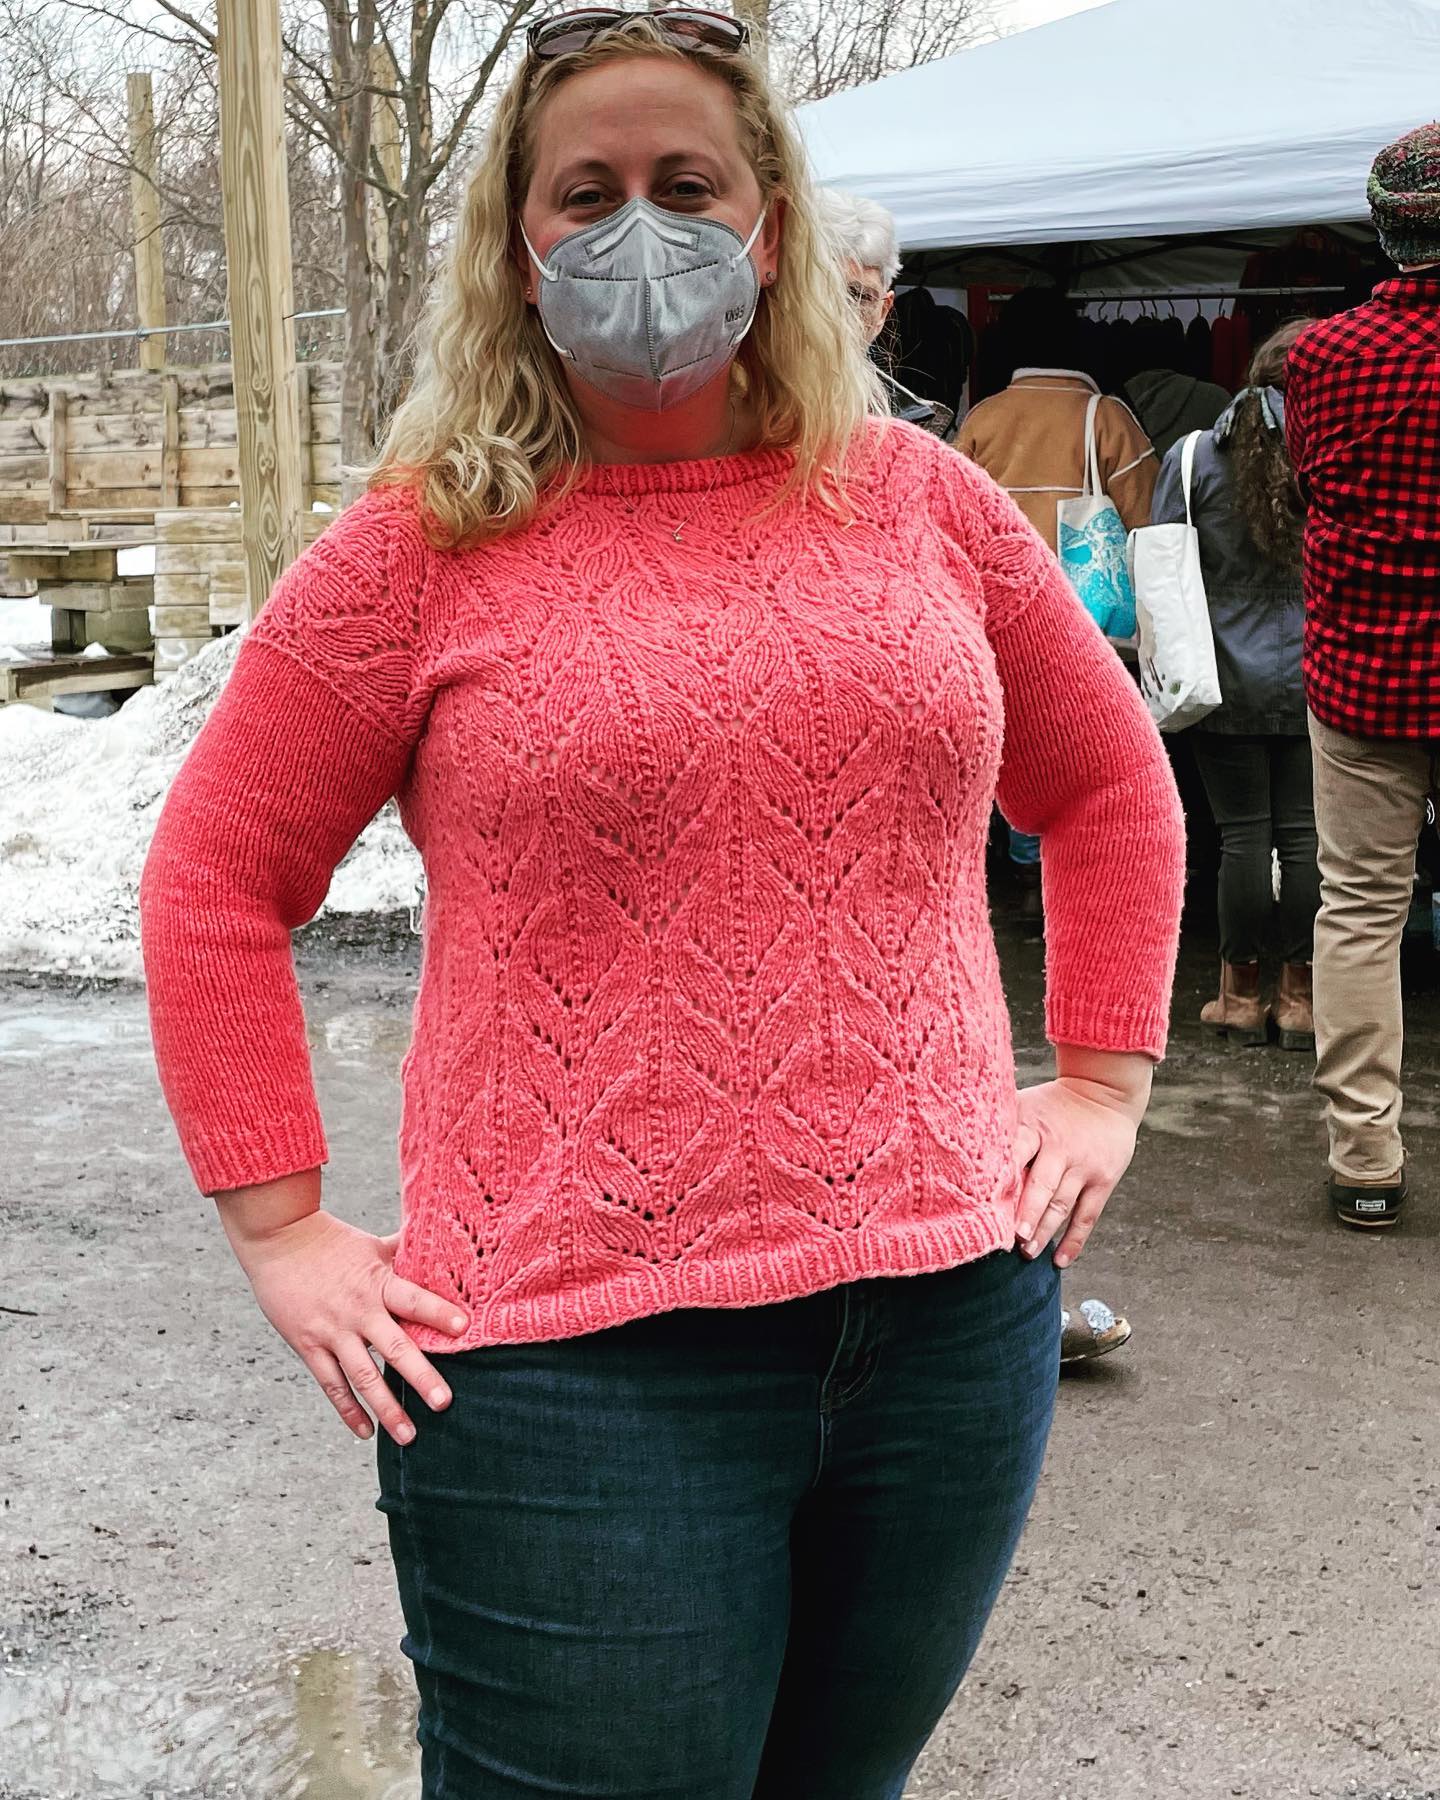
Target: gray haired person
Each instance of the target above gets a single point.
(865, 240)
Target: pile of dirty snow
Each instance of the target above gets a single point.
(24, 625)
(79, 801)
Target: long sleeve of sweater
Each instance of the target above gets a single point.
(1084, 768)
(311, 735)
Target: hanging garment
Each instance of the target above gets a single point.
(1197, 348)
(934, 347)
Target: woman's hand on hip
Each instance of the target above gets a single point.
(332, 1293)
(1074, 1139)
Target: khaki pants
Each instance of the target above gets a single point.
(1369, 810)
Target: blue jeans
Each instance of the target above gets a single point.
(715, 1554)
(1024, 849)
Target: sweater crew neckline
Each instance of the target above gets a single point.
(701, 474)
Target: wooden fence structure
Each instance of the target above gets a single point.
(93, 464)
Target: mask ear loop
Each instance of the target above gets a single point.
(546, 274)
(743, 253)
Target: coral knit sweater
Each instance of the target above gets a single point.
(711, 1013)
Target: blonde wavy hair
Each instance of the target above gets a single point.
(489, 432)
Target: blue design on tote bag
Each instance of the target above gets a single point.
(1091, 541)
(1093, 556)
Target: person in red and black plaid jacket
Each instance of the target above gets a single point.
(1363, 423)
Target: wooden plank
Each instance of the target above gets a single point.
(38, 681)
(86, 596)
(207, 498)
(17, 436)
(181, 590)
(24, 471)
(145, 209)
(257, 244)
(138, 502)
(98, 470)
(135, 390)
(112, 396)
(213, 526)
(59, 411)
(24, 509)
(170, 456)
(182, 621)
(56, 562)
(197, 559)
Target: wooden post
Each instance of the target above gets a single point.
(262, 307)
(59, 409)
(145, 205)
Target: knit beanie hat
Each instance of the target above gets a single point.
(1404, 194)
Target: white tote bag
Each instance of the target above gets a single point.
(1178, 676)
(1090, 540)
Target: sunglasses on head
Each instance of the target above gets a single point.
(688, 28)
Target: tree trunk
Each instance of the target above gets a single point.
(351, 39)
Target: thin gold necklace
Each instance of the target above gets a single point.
(699, 507)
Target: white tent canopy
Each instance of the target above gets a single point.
(1142, 119)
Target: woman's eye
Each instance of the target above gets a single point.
(688, 190)
(583, 197)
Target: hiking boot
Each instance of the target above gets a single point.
(1369, 1205)
(1093, 1331)
(1240, 1013)
(1295, 1008)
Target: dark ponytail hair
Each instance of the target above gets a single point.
(1267, 495)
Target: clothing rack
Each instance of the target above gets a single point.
(1118, 295)
(1250, 293)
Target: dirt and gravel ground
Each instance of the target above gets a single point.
(1227, 1589)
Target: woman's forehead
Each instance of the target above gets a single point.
(637, 108)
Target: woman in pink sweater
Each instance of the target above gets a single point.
(720, 1334)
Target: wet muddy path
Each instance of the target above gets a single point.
(1228, 1586)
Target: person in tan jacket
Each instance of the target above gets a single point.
(1031, 437)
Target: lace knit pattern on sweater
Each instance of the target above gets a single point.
(710, 1012)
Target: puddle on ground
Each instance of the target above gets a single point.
(1198, 1109)
(1215, 1103)
(45, 1031)
(329, 1726)
(352, 1036)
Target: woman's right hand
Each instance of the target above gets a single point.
(332, 1293)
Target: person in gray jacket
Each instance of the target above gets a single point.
(1254, 753)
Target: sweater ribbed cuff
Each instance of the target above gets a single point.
(249, 1157)
(1090, 1024)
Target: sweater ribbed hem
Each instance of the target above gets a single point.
(763, 1278)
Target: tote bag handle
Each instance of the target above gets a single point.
(1092, 454)
(1187, 472)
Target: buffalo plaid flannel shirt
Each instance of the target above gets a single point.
(1362, 416)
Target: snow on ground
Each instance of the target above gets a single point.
(23, 625)
(79, 800)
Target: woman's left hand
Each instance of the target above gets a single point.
(1074, 1139)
